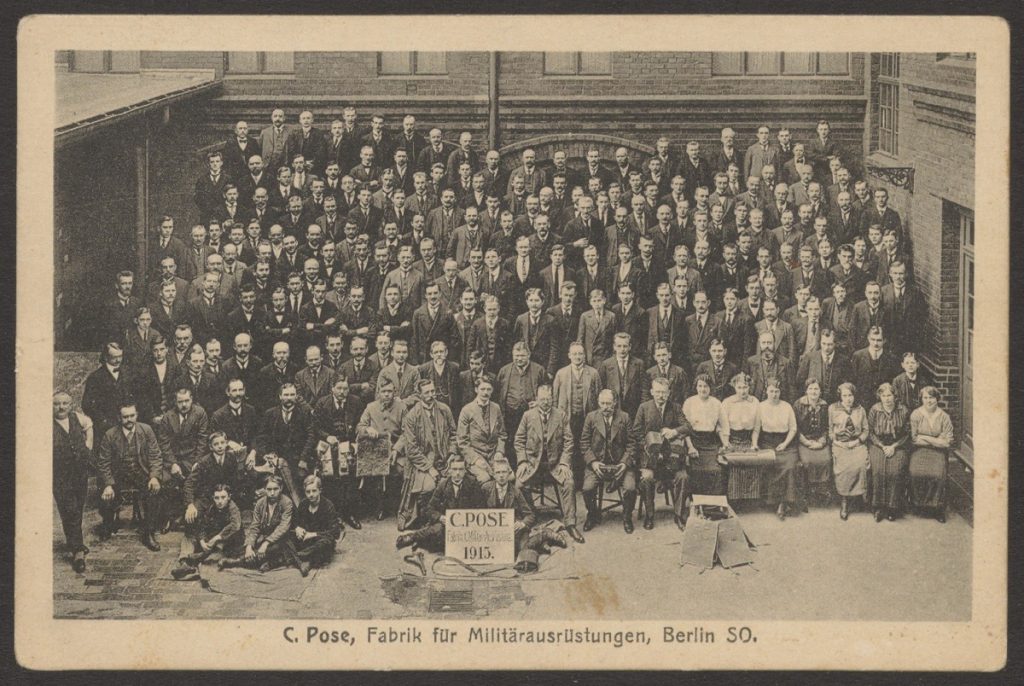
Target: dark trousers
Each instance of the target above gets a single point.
(318, 550)
(341, 490)
(679, 483)
(430, 537)
(578, 465)
(70, 496)
(149, 504)
(592, 481)
(279, 554)
(231, 547)
(512, 421)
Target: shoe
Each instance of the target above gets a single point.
(166, 528)
(575, 534)
(588, 524)
(680, 522)
(115, 525)
(264, 568)
(193, 560)
(891, 516)
(781, 512)
(78, 563)
(103, 532)
(648, 523)
(228, 562)
(150, 542)
(627, 525)
(183, 569)
(844, 511)
(941, 517)
(341, 524)
(353, 522)
(879, 515)
(804, 507)
(404, 541)
(304, 568)
(84, 549)
(555, 539)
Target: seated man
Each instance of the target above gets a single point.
(659, 416)
(481, 431)
(503, 493)
(129, 462)
(608, 451)
(544, 443)
(428, 437)
(217, 527)
(458, 490)
(267, 540)
(316, 527)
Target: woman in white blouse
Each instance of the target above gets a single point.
(703, 411)
(778, 431)
(931, 434)
(738, 427)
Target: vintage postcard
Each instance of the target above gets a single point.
(444, 350)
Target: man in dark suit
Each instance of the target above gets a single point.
(623, 375)
(335, 418)
(436, 151)
(458, 490)
(287, 430)
(718, 370)
(238, 149)
(129, 464)
(308, 142)
(761, 153)
(872, 366)
(845, 220)
(827, 366)
(209, 188)
(360, 371)
(867, 314)
(768, 364)
(492, 336)
(701, 328)
(117, 311)
(879, 213)
(564, 326)
(822, 149)
(733, 326)
(668, 325)
(907, 311)
(105, 388)
(659, 416)
(182, 432)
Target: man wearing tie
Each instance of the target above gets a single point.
(606, 442)
(807, 330)
(622, 374)
(658, 415)
(830, 369)
(597, 329)
(458, 490)
(867, 314)
(272, 140)
(906, 309)
(701, 329)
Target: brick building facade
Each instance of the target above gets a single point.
(908, 119)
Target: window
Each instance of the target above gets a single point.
(100, 61)
(412, 63)
(966, 56)
(260, 62)
(889, 103)
(578, 63)
(780, 63)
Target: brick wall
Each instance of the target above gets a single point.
(936, 128)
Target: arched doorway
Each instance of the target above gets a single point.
(575, 146)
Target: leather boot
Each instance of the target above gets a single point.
(149, 540)
(628, 501)
(590, 502)
(649, 509)
(404, 541)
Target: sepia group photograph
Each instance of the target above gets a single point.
(687, 353)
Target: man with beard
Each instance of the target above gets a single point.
(287, 430)
(769, 364)
(382, 420)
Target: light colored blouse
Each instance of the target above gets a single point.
(777, 419)
(703, 415)
(937, 424)
(739, 415)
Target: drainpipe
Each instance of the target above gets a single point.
(492, 100)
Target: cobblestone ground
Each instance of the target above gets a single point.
(812, 567)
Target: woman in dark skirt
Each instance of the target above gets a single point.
(738, 428)
(815, 454)
(778, 431)
(703, 411)
(931, 434)
(889, 431)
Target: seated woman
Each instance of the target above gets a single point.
(815, 454)
(738, 428)
(702, 411)
(887, 423)
(931, 434)
(778, 431)
(848, 430)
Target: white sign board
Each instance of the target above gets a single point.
(481, 537)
